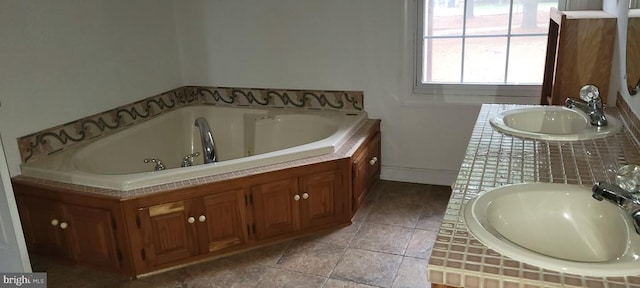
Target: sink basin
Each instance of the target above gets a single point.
(552, 123)
(556, 226)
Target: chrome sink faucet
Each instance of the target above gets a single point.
(621, 197)
(208, 146)
(591, 104)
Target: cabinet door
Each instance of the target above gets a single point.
(360, 166)
(374, 150)
(41, 220)
(168, 235)
(322, 199)
(223, 221)
(90, 236)
(273, 208)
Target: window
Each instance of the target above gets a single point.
(491, 44)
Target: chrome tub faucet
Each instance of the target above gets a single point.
(591, 104)
(159, 165)
(208, 145)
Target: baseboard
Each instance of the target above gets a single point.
(418, 175)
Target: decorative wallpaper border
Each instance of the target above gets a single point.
(49, 141)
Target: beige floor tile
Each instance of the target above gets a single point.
(267, 256)
(367, 267)
(421, 243)
(412, 274)
(311, 257)
(333, 283)
(430, 221)
(339, 237)
(279, 278)
(382, 238)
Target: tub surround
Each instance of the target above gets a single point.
(494, 159)
(209, 217)
(244, 138)
(50, 141)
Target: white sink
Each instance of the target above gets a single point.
(556, 226)
(552, 123)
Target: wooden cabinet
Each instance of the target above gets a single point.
(304, 202)
(139, 234)
(273, 207)
(178, 230)
(80, 233)
(366, 168)
(633, 51)
(579, 52)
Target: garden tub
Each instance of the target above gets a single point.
(244, 138)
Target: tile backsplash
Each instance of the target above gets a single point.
(46, 142)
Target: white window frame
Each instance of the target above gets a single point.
(500, 91)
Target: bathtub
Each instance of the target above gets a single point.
(244, 138)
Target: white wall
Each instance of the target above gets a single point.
(332, 44)
(68, 59)
(63, 60)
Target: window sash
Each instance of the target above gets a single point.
(478, 89)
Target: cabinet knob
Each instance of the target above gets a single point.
(297, 197)
(191, 220)
(373, 161)
(54, 222)
(202, 218)
(305, 195)
(64, 225)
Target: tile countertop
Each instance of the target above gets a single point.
(493, 159)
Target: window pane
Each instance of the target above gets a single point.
(526, 60)
(487, 17)
(442, 60)
(443, 18)
(485, 60)
(531, 16)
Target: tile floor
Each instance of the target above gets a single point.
(388, 245)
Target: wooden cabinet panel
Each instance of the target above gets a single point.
(40, 221)
(224, 220)
(365, 169)
(167, 232)
(321, 201)
(91, 236)
(176, 231)
(579, 52)
(375, 158)
(360, 181)
(79, 233)
(274, 209)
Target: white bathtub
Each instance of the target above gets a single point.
(244, 138)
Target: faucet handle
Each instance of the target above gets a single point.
(159, 165)
(188, 160)
(628, 178)
(590, 93)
